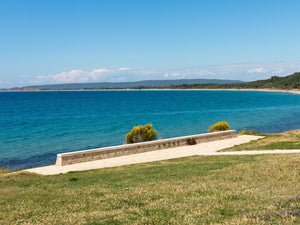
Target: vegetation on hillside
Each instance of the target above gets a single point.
(276, 82)
(121, 85)
(261, 189)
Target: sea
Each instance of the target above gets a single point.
(35, 126)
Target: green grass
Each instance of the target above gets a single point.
(193, 190)
(285, 140)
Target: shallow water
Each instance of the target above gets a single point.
(35, 126)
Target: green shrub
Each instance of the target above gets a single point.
(220, 126)
(4, 171)
(141, 134)
(249, 132)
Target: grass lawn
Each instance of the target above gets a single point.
(285, 140)
(257, 189)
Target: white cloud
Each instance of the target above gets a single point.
(73, 76)
(245, 72)
(257, 70)
(65, 77)
(124, 69)
(98, 74)
(178, 75)
(175, 74)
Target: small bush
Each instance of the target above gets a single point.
(249, 132)
(220, 126)
(4, 171)
(141, 134)
(72, 179)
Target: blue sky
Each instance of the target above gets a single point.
(62, 41)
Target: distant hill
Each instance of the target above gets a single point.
(137, 84)
(287, 82)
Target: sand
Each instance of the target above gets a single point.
(209, 148)
(294, 91)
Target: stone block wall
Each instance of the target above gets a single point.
(127, 149)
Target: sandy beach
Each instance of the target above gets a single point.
(295, 91)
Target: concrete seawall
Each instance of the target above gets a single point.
(121, 150)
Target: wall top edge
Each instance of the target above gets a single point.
(144, 143)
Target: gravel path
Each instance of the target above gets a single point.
(209, 148)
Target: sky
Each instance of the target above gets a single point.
(69, 41)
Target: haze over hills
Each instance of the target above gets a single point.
(145, 83)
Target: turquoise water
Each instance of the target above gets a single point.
(35, 126)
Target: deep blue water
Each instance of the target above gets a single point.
(35, 126)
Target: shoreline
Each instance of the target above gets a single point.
(294, 91)
(262, 90)
(175, 147)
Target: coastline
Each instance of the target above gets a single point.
(174, 92)
(294, 91)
